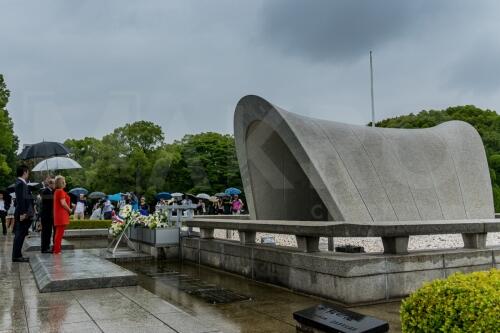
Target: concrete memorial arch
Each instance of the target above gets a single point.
(300, 168)
(313, 178)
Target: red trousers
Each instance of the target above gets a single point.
(58, 238)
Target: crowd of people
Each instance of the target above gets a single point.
(50, 210)
(105, 209)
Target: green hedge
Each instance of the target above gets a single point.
(89, 224)
(460, 303)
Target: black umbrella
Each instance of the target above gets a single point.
(44, 150)
(193, 198)
(11, 188)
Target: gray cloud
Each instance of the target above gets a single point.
(477, 70)
(342, 31)
(84, 68)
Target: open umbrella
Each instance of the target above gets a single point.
(115, 197)
(79, 190)
(33, 186)
(97, 195)
(177, 195)
(232, 191)
(11, 188)
(57, 163)
(220, 195)
(203, 196)
(44, 150)
(192, 197)
(163, 195)
(213, 199)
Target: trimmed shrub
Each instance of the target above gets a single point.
(460, 303)
(89, 224)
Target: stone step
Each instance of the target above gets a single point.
(76, 270)
(32, 244)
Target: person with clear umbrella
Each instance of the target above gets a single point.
(62, 211)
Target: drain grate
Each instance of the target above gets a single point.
(219, 295)
(193, 286)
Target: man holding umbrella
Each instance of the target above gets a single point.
(47, 214)
(23, 214)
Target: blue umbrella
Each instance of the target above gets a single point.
(232, 191)
(163, 195)
(115, 197)
(79, 190)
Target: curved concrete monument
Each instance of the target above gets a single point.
(314, 178)
(300, 168)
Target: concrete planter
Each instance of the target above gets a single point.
(154, 237)
(132, 232)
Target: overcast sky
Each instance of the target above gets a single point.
(83, 68)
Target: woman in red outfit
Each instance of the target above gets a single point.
(62, 211)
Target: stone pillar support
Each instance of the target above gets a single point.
(206, 233)
(395, 245)
(474, 241)
(308, 244)
(247, 237)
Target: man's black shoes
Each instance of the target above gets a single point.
(21, 259)
(47, 251)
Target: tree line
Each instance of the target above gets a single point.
(486, 122)
(9, 142)
(135, 158)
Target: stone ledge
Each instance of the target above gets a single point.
(71, 233)
(76, 270)
(32, 244)
(345, 264)
(351, 229)
(338, 276)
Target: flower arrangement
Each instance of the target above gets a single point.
(127, 217)
(116, 227)
(119, 222)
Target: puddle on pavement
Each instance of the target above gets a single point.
(232, 303)
(225, 301)
(210, 293)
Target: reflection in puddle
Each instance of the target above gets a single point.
(208, 292)
(228, 302)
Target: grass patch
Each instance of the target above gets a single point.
(89, 224)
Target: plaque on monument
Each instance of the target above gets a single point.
(335, 319)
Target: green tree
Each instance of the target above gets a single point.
(9, 142)
(211, 160)
(141, 135)
(486, 122)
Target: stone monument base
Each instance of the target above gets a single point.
(33, 243)
(348, 278)
(75, 270)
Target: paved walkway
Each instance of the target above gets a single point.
(123, 309)
(135, 309)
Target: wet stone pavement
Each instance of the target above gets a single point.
(124, 309)
(171, 297)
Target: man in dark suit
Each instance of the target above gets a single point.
(47, 214)
(23, 214)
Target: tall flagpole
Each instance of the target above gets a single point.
(371, 88)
